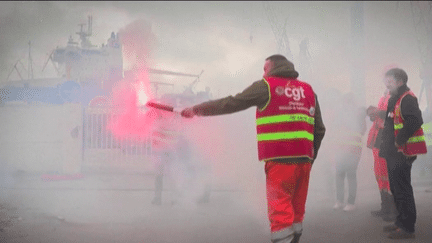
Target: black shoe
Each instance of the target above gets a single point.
(390, 228)
(296, 238)
(401, 234)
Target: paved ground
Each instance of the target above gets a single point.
(116, 208)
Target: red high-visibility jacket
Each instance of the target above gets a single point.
(378, 124)
(285, 126)
(416, 143)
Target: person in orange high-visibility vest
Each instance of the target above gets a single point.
(289, 132)
(403, 140)
(388, 210)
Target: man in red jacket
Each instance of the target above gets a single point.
(289, 132)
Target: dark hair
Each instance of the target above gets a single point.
(398, 74)
(277, 58)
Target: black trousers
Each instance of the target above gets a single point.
(399, 171)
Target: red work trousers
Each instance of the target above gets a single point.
(287, 187)
(380, 170)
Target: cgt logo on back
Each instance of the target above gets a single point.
(297, 93)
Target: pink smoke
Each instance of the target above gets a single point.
(132, 118)
(138, 41)
(131, 93)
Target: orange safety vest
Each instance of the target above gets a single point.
(285, 125)
(378, 124)
(416, 143)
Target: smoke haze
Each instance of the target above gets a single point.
(229, 41)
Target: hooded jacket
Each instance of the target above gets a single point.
(257, 94)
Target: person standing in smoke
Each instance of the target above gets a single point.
(289, 132)
(165, 142)
(352, 126)
(403, 140)
(388, 209)
(199, 171)
(329, 146)
(172, 154)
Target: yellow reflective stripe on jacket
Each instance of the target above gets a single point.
(427, 129)
(398, 126)
(416, 139)
(285, 118)
(285, 135)
(411, 139)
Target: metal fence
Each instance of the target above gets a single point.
(101, 147)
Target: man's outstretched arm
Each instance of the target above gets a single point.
(254, 95)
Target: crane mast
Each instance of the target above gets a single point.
(279, 30)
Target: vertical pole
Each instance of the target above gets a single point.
(30, 63)
(358, 58)
(84, 132)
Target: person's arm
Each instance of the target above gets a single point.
(319, 128)
(381, 114)
(412, 117)
(375, 113)
(256, 94)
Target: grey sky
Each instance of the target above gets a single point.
(215, 37)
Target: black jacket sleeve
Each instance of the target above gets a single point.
(256, 94)
(412, 116)
(319, 128)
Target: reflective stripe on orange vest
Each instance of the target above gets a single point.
(416, 143)
(414, 139)
(286, 118)
(427, 129)
(285, 135)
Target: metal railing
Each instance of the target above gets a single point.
(100, 146)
